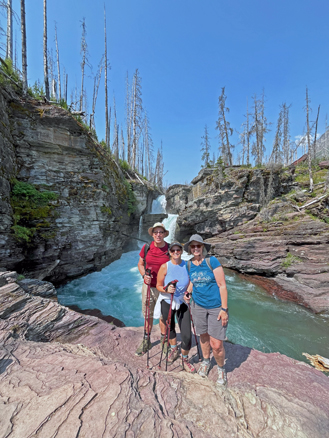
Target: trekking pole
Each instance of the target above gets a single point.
(168, 330)
(169, 315)
(195, 336)
(147, 316)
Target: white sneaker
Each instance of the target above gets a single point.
(222, 377)
(204, 369)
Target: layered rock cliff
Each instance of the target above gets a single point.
(65, 203)
(256, 223)
(65, 374)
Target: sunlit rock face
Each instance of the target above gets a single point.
(45, 146)
(67, 374)
(221, 200)
(285, 247)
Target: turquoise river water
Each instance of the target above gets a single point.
(257, 320)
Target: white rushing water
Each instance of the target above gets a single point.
(257, 320)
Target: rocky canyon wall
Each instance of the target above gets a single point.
(65, 203)
(217, 202)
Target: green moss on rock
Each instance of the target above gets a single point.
(31, 208)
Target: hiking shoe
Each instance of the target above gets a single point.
(144, 346)
(165, 347)
(222, 378)
(204, 369)
(187, 366)
(173, 355)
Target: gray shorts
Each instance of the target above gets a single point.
(205, 321)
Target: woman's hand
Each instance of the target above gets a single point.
(187, 297)
(224, 317)
(171, 289)
(147, 279)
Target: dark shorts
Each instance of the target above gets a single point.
(205, 321)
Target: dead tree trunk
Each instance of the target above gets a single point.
(308, 136)
(58, 67)
(316, 133)
(107, 134)
(45, 50)
(24, 54)
(9, 50)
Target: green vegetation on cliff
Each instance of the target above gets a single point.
(31, 209)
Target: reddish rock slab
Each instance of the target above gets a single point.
(290, 260)
(84, 380)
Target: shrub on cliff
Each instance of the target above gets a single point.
(31, 208)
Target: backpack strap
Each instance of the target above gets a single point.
(207, 259)
(146, 250)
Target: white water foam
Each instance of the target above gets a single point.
(159, 205)
(257, 320)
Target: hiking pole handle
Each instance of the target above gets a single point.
(148, 273)
(171, 283)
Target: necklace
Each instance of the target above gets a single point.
(197, 262)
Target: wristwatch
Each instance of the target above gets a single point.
(225, 310)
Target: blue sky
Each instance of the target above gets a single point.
(186, 51)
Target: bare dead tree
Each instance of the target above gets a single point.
(205, 146)
(245, 136)
(122, 146)
(9, 49)
(51, 68)
(259, 129)
(315, 134)
(15, 61)
(24, 50)
(136, 115)
(148, 148)
(97, 80)
(128, 120)
(66, 83)
(308, 136)
(107, 136)
(224, 129)
(286, 140)
(45, 50)
(84, 61)
(109, 127)
(115, 144)
(276, 155)
(58, 66)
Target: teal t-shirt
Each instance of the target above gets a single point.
(205, 289)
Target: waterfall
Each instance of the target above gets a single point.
(116, 291)
(159, 206)
(140, 227)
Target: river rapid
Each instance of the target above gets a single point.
(257, 320)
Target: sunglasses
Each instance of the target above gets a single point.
(195, 246)
(175, 250)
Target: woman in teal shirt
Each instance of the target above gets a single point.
(209, 305)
